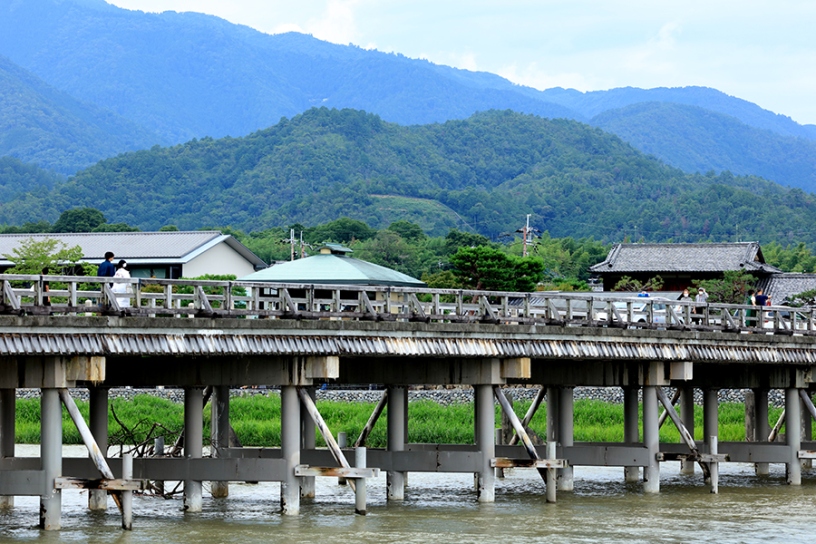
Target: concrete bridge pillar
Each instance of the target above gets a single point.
(565, 435)
(631, 428)
(290, 449)
(98, 423)
(193, 440)
(397, 429)
(485, 413)
(651, 439)
(687, 415)
(51, 455)
(220, 432)
(8, 407)
(711, 424)
(793, 432)
(307, 434)
(763, 426)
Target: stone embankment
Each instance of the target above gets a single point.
(442, 396)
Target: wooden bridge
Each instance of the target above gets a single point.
(60, 332)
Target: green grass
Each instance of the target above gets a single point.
(256, 421)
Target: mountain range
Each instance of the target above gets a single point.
(83, 80)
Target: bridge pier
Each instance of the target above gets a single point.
(763, 426)
(193, 440)
(98, 423)
(651, 439)
(711, 406)
(220, 432)
(51, 454)
(485, 419)
(307, 434)
(290, 450)
(396, 418)
(793, 433)
(8, 408)
(631, 429)
(565, 435)
(687, 416)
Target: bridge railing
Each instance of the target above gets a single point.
(81, 295)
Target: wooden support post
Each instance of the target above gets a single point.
(51, 454)
(220, 433)
(307, 437)
(528, 417)
(324, 431)
(193, 443)
(551, 476)
(793, 434)
(651, 439)
(507, 411)
(395, 481)
(687, 415)
(565, 435)
(750, 416)
(631, 429)
(763, 427)
(98, 422)
(714, 466)
(684, 433)
(342, 443)
(360, 492)
(485, 424)
(158, 451)
(127, 496)
(290, 450)
(711, 406)
(8, 410)
(499, 441)
(507, 431)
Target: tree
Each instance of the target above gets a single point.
(410, 232)
(488, 268)
(731, 289)
(457, 239)
(343, 230)
(79, 220)
(635, 286)
(115, 227)
(49, 256)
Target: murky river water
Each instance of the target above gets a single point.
(442, 509)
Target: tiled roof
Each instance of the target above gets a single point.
(781, 286)
(178, 246)
(339, 269)
(684, 258)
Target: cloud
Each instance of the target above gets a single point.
(337, 23)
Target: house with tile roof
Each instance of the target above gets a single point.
(680, 264)
(172, 254)
(784, 285)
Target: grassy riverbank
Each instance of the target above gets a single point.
(256, 421)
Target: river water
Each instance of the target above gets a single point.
(441, 508)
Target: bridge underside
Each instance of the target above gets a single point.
(54, 354)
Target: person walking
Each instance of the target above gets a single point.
(106, 268)
(761, 298)
(750, 315)
(122, 272)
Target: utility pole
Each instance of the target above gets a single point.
(292, 244)
(302, 247)
(525, 231)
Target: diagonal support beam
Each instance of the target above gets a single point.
(335, 450)
(665, 414)
(514, 420)
(687, 438)
(777, 427)
(528, 417)
(88, 438)
(375, 415)
(808, 403)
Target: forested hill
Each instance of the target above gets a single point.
(484, 173)
(720, 142)
(41, 125)
(186, 75)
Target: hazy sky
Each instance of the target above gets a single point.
(760, 50)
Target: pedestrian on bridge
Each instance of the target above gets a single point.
(106, 268)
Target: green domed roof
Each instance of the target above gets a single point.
(333, 269)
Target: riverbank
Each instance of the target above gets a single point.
(435, 416)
